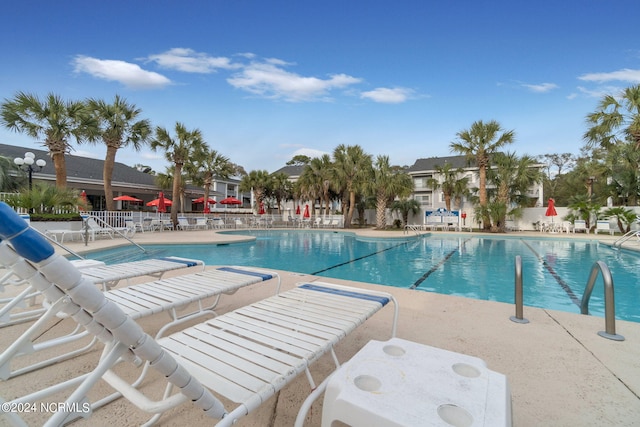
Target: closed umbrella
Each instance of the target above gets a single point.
(551, 209)
(298, 210)
(306, 212)
(162, 203)
(261, 211)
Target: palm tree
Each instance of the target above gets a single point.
(119, 127)
(623, 166)
(616, 120)
(386, 184)
(624, 217)
(583, 207)
(209, 165)
(405, 206)
(512, 177)
(257, 181)
(449, 185)
(316, 180)
(479, 143)
(52, 119)
(351, 168)
(178, 150)
(165, 182)
(281, 188)
(44, 198)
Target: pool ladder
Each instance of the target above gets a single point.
(631, 234)
(609, 303)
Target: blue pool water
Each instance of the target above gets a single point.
(555, 271)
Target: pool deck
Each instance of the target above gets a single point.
(560, 371)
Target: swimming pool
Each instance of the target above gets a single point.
(555, 271)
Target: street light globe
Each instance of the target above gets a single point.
(41, 163)
(29, 155)
(28, 161)
(18, 161)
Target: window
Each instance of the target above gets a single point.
(423, 199)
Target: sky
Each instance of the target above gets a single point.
(267, 80)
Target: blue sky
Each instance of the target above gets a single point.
(266, 80)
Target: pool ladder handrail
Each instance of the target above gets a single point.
(609, 303)
(519, 299)
(618, 243)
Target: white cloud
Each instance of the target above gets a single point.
(624, 75)
(387, 95)
(190, 61)
(269, 79)
(130, 75)
(541, 88)
(599, 92)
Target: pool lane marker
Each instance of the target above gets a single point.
(556, 276)
(436, 267)
(358, 259)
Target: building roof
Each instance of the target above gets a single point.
(429, 164)
(294, 171)
(84, 170)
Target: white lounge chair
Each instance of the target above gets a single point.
(246, 356)
(604, 226)
(201, 224)
(110, 275)
(184, 224)
(12, 308)
(580, 225)
(137, 301)
(98, 230)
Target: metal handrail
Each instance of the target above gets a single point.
(518, 318)
(609, 303)
(618, 243)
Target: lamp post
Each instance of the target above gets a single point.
(26, 164)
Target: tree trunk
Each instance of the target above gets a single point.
(177, 174)
(381, 217)
(107, 175)
(60, 165)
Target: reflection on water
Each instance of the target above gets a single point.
(464, 265)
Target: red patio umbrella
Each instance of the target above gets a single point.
(201, 200)
(161, 203)
(127, 199)
(298, 210)
(155, 202)
(261, 211)
(551, 209)
(306, 212)
(230, 201)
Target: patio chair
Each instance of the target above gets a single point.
(98, 230)
(604, 226)
(107, 276)
(246, 356)
(201, 224)
(137, 301)
(580, 225)
(184, 224)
